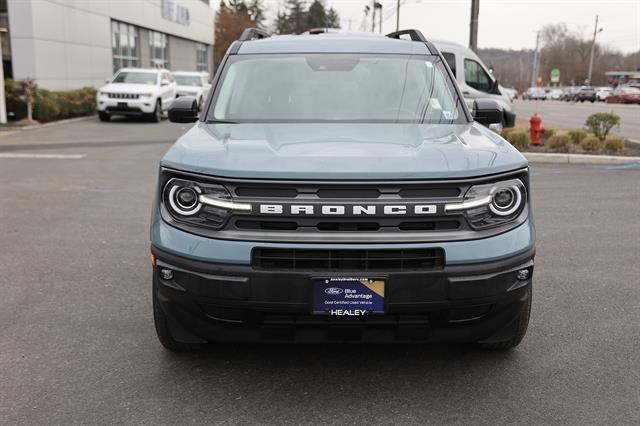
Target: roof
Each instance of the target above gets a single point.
(332, 43)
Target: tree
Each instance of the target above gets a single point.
(296, 18)
(257, 12)
(333, 19)
(316, 16)
(230, 22)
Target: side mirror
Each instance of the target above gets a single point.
(487, 111)
(184, 110)
(107, 80)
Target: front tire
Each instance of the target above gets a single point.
(104, 116)
(156, 115)
(164, 331)
(520, 329)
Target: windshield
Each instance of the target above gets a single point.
(188, 80)
(136, 77)
(336, 88)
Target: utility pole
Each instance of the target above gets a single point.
(536, 61)
(380, 19)
(398, 16)
(473, 25)
(593, 47)
(373, 17)
(3, 103)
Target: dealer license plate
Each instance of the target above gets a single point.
(348, 296)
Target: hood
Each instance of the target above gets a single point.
(189, 88)
(342, 151)
(128, 88)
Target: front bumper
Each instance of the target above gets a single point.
(126, 106)
(206, 301)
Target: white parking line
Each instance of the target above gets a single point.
(42, 156)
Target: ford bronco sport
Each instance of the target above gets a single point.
(335, 187)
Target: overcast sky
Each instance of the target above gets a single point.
(510, 24)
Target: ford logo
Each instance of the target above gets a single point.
(333, 291)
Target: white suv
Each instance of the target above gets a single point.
(137, 92)
(193, 83)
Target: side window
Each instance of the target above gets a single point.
(451, 61)
(476, 77)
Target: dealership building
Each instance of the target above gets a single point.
(66, 44)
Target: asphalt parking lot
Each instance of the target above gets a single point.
(77, 342)
(574, 114)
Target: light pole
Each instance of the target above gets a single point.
(398, 16)
(536, 62)
(3, 103)
(593, 47)
(473, 25)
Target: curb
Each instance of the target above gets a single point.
(50, 124)
(538, 157)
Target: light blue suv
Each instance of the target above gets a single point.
(335, 187)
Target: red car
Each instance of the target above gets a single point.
(625, 95)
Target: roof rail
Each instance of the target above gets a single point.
(253, 33)
(415, 35)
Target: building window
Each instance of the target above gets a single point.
(202, 57)
(159, 47)
(125, 45)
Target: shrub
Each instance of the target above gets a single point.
(16, 107)
(614, 143)
(548, 133)
(601, 123)
(518, 138)
(590, 143)
(577, 135)
(49, 105)
(559, 142)
(507, 131)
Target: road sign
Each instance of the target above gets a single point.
(555, 75)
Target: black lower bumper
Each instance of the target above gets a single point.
(206, 302)
(122, 110)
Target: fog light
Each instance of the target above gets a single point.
(523, 274)
(166, 274)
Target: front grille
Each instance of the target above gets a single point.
(390, 260)
(123, 96)
(347, 225)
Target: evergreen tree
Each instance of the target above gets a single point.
(333, 19)
(316, 16)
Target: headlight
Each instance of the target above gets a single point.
(200, 204)
(101, 93)
(493, 204)
(146, 95)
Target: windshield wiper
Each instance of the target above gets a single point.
(221, 122)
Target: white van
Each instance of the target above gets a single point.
(474, 79)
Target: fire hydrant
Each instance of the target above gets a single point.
(536, 130)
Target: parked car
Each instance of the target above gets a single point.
(137, 92)
(554, 94)
(568, 93)
(474, 79)
(338, 189)
(625, 95)
(534, 94)
(511, 93)
(602, 93)
(585, 93)
(193, 83)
